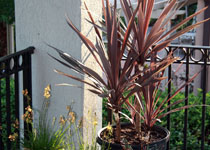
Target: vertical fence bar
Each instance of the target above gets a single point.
(27, 84)
(17, 105)
(206, 39)
(1, 142)
(25, 87)
(186, 98)
(169, 95)
(204, 99)
(8, 105)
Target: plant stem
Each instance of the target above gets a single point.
(137, 120)
(118, 126)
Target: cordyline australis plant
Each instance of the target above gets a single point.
(138, 45)
(115, 83)
(146, 45)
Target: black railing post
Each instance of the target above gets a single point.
(169, 95)
(186, 98)
(204, 72)
(27, 84)
(8, 107)
(1, 142)
(206, 42)
(17, 104)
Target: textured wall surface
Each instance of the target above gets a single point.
(199, 41)
(92, 103)
(39, 21)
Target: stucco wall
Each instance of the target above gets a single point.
(92, 103)
(199, 41)
(39, 21)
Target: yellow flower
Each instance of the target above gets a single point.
(109, 127)
(13, 137)
(47, 92)
(28, 116)
(28, 109)
(25, 92)
(95, 123)
(16, 124)
(46, 95)
(48, 88)
(94, 119)
(62, 120)
(68, 108)
(72, 117)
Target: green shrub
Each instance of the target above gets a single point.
(7, 11)
(4, 111)
(194, 123)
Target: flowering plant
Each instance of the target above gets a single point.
(43, 134)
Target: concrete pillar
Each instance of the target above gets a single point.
(39, 21)
(202, 38)
(206, 38)
(199, 42)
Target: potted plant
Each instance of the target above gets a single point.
(132, 75)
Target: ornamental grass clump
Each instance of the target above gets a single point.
(41, 132)
(52, 134)
(123, 60)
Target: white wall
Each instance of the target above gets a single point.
(39, 21)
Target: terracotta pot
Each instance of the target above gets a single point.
(158, 145)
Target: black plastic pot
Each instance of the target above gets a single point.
(158, 145)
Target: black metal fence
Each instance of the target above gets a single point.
(12, 68)
(188, 55)
(191, 55)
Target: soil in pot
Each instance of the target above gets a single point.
(129, 136)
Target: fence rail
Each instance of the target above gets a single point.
(11, 67)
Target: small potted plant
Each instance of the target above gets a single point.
(130, 75)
